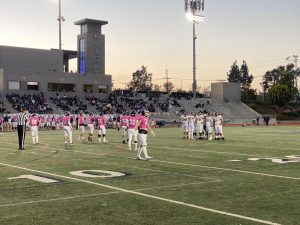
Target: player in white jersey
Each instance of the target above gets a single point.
(209, 125)
(184, 125)
(219, 127)
(191, 125)
(199, 124)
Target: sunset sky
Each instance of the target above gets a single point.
(156, 33)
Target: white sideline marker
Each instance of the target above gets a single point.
(147, 195)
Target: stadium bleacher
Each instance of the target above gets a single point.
(163, 106)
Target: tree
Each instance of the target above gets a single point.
(168, 87)
(156, 88)
(279, 84)
(240, 75)
(234, 73)
(280, 74)
(248, 95)
(245, 78)
(280, 94)
(141, 80)
(206, 91)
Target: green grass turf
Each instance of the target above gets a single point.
(184, 175)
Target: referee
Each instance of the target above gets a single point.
(21, 127)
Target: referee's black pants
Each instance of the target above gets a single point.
(21, 135)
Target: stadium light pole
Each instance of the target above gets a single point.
(193, 8)
(60, 19)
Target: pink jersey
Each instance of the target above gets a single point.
(80, 120)
(124, 121)
(90, 120)
(34, 121)
(101, 120)
(144, 122)
(132, 121)
(66, 121)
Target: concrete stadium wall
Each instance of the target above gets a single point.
(46, 77)
(35, 59)
(229, 90)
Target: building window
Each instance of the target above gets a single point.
(32, 86)
(60, 87)
(103, 89)
(88, 88)
(14, 85)
(84, 29)
(82, 56)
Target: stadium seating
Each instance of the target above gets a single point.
(162, 107)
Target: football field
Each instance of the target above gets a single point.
(253, 177)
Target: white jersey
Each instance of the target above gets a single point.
(209, 121)
(191, 121)
(218, 120)
(184, 119)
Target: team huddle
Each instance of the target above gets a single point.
(202, 125)
(134, 128)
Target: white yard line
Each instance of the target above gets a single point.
(226, 169)
(146, 195)
(200, 150)
(93, 195)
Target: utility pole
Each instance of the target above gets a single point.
(167, 83)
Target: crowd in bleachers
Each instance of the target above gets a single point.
(35, 103)
(72, 104)
(116, 103)
(2, 109)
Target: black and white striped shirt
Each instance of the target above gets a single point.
(22, 118)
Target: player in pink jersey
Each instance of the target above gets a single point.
(101, 128)
(1, 123)
(67, 129)
(132, 132)
(143, 127)
(34, 123)
(124, 126)
(90, 124)
(81, 127)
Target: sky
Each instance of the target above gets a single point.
(156, 34)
